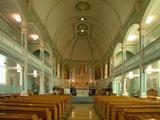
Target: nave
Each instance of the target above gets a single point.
(53, 53)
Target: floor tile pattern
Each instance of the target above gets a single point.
(83, 112)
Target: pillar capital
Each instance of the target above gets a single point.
(142, 29)
(24, 27)
(123, 48)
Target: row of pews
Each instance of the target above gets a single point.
(126, 108)
(40, 107)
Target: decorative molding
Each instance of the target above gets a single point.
(82, 6)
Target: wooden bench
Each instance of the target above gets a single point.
(147, 117)
(52, 108)
(42, 113)
(105, 104)
(118, 108)
(129, 114)
(11, 116)
(56, 104)
(58, 101)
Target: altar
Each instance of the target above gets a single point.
(82, 92)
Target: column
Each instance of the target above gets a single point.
(102, 69)
(42, 68)
(114, 85)
(143, 85)
(24, 43)
(62, 71)
(111, 65)
(73, 76)
(124, 91)
(111, 71)
(52, 75)
(90, 73)
(158, 80)
(54, 66)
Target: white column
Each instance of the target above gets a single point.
(52, 75)
(42, 68)
(114, 85)
(143, 84)
(124, 91)
(24, 43)
(42, 83)
(54, 66)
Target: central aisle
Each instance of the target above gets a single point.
(83, 112)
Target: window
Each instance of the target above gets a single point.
(2, 70)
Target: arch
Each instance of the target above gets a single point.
(150, 21)
(117, 54)
(131, 39)
(149, 7)
(117, 48)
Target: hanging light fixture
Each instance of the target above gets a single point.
(18, 67)
(35, 73)
(149, 19)
(82, 19)
(130, 75)
(34, 36)
(17, 17)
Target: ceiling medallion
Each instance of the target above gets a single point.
(82, 6)
(82, 30)
(82, 27)
(82, 34)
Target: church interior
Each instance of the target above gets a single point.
(79, 59)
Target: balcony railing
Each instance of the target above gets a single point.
(15, 50)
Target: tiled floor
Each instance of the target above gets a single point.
(83, 112)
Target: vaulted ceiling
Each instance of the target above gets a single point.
(90, 38)
(103, 20)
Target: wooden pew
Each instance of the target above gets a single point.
(147, 117)
(52, 108)
(43, 113)
(129, 114)
(50, 100)
(118, 108)
(104, 104)
(56, 104)
(9, 116)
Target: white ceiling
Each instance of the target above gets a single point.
(104, 20)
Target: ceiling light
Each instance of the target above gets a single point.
(132, 37)
(82, 19)
(18, 67)
(149, 19)
(149, 69)
(82, 30)
(17, 17)
(34, 36)
(35, 73)
(130, 75)
(90, 81)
